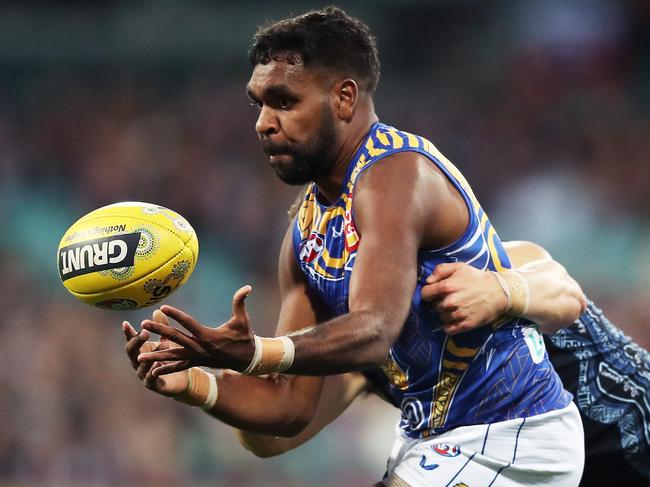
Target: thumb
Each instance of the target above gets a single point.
(443, 271)
(159, 317)
(239, 300)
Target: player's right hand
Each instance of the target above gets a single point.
(136, 343)
(229, 346)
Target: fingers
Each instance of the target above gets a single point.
(143, 369)
(177, 353)
(169, 368)
(189, 323)
(456, 327)
(431, 292)
(129, 331)
(171, 333)
(134, 345)
(447, 317)
(239, 301)
(443, 271)
(149, 378)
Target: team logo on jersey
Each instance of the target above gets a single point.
(351, 235)
(312, 248)
(446, 450)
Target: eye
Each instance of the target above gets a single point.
(256, 104)
(284, 103)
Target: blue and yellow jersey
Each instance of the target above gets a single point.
(493, 373)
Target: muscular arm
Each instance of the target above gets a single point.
(402, 203)
(277, 404)
(338, 393)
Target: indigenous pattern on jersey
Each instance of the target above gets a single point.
(490, 374)
(609, 375)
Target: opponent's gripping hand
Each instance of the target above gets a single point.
(230, 346)
(137, 343)
(464, 297)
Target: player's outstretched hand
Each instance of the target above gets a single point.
(230, 346)
(464, 297)
(137, 343)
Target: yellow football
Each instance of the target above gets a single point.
(127, 255)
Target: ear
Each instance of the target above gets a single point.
(347, 97)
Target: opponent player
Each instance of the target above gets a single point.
(383, 210)
(608, 374)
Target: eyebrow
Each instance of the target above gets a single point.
(272, 91)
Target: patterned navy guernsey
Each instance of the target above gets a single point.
(493, 373)
(609, 375)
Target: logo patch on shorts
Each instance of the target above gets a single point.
(431, 466)
(446, 450)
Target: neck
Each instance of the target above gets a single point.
(355, 133)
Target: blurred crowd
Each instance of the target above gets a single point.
(550, 125)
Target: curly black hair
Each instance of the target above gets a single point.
(327, 38)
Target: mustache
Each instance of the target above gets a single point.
(271, 149)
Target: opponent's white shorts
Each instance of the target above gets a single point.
(547, 449)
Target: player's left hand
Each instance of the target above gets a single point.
(137, 343)
(464, 297)
(230, 346)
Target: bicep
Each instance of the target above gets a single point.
(402, 204)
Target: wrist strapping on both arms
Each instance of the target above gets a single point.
(202, 389)
(271, 355)
(515, 287)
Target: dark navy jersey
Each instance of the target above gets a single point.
(493, 373)
(609, 376)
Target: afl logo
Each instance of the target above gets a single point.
(311, 248)
(446, 450)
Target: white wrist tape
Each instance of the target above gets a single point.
(515, 286)
(202, 389)
(257, 356)
(213, 393)
(271, 355)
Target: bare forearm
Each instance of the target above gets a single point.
(338, 392)
(274, 405)
(355, 341)
(555, 299)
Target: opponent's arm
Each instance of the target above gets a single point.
(556, 299)
(467, 297)
(338, 393)
(399, 207)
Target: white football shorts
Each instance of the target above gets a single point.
(547, 449)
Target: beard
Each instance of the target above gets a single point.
(311, 161)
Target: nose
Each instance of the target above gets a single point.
(267, 122)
